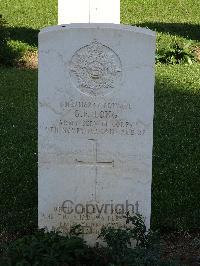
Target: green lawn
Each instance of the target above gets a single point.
(176, 163)
(176, 158)
(174, 20)
(18, 157)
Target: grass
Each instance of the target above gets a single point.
(18, 158)
(174, 20)
(25, 18)
(33, 14)
(176, 159)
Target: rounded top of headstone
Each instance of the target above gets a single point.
(98, 26)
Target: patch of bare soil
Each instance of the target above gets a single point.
(185, 247)
(197, 52)
(29, 60)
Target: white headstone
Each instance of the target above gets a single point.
(88, 11)
(96, 102)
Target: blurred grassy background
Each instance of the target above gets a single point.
(176, 157)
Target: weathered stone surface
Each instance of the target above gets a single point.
(88, 11)
(96, 101)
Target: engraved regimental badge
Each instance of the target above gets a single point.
(95, 69)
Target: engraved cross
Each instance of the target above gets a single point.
(95, 163)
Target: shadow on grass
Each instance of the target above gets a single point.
(188, 31)
(23, 34)
(176, 157)
(11, 54)
(18, 158)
